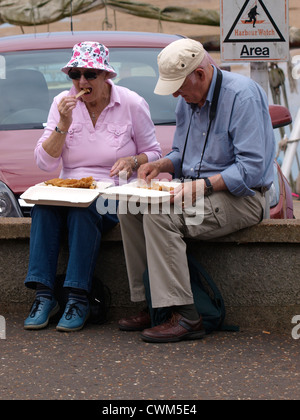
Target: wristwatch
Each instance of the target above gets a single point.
(136, 163)
(209, 189)
(58, 130)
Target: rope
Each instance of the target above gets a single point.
(71, 15)
(160, 26)
(105, 22)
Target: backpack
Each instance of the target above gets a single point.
(99, 299)
(207, 297)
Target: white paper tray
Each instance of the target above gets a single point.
(143, 195)
(61, 196)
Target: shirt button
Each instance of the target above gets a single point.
(204, 134)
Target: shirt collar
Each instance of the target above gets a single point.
(114, 96)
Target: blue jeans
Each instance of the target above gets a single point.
(85, 227)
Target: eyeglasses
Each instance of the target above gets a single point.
(88, 75)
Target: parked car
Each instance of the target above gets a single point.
(30, 78)
(280, 195)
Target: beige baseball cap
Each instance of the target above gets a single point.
(176, 62)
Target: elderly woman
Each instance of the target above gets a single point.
(106, 130)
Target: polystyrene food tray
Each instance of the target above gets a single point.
(133, 191)
(61, 196)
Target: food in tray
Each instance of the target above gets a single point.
(157, 187)
(82, 92)
(88, 183)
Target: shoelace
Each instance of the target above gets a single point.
(73, 309)
(36, 306)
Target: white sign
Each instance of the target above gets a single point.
(2, 328)
(2, 67)
(254, 30)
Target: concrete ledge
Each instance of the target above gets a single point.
(15, 228)
(268, 231)
(257, 271)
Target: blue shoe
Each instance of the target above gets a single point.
(75, 316)
(40, 313)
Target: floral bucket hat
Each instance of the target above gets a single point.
(90, 55)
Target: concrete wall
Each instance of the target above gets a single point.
(257, 271)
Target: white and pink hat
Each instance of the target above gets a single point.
(90, 55)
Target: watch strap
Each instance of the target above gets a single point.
(209, 188)
(58, 130)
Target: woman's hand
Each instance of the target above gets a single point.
(128, 165)
(55, 143)
(65, 108)
(125, 165)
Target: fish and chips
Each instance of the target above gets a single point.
(157, 187)
(82, 92)
(88, 183)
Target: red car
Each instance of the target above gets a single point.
(30, 77)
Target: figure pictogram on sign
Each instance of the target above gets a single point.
(252, 16)
(263, 28)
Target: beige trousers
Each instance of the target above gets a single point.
(157, 241)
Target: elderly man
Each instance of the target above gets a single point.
(224, 144)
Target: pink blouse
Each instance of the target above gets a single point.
(123, 129)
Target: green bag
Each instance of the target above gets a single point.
(207, 297)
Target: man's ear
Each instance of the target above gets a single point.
(200, 73)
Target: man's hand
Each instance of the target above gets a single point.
(151, 170)
(188, 193)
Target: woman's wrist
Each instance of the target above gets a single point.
(135, 163)
(58, 130)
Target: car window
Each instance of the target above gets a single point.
(32, 79)
(29, 80)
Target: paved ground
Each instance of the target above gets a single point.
(103, 363)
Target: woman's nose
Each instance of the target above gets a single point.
(82, 76)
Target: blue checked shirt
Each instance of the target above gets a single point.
(241, 144)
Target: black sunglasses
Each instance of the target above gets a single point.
(88, 75)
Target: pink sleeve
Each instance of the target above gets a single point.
(144, 132)
(43, 160)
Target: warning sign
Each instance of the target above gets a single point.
(254, 30)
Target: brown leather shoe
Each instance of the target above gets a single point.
(136, 322)
(175, 329)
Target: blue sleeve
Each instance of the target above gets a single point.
(253, 141)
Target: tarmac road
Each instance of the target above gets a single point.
(103, 363)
